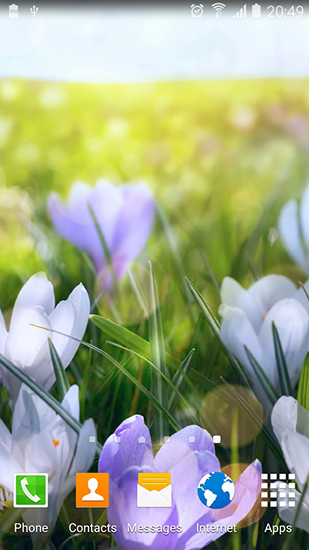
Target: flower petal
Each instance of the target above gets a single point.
(269, 290)
(123, 510)
(284, 416)
(69, 317)
(78, 200)
(247, 490)
(301, 297)
(28, 411)
(3, 334)
(236, 333)
(295, 448)
(234, 295)
(70, 401)
(289, 230)
(62, 320)
(304, 216)
(130, 445)
(38, 291)
(27, 347)
(135, 222)
(79, 229)
(292, 322)
(181, 444)
(288, 514)
(79, 297)
(185, 478)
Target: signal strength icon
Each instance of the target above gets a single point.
(218, 7)
(242, 13)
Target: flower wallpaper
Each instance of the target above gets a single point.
(155, 309)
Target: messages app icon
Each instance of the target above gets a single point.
(154, 490)
(30, 490)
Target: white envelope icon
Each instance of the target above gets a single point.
(154, 490)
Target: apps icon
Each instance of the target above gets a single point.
(92, 490)
(216, 490)
(278, 491)
(30, 490)
(154, 490)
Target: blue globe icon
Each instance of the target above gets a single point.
(216, 490)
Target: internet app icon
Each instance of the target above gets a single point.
(154, 490)
(30, 490)
(216, 490)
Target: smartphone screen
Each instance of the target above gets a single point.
(154, 233)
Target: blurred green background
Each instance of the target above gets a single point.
(221, 158)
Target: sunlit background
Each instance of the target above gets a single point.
(212, 114)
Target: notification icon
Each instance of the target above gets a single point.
(13, 10)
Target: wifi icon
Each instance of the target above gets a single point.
(218, 7)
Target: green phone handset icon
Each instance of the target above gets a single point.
(24, 483)
(31, 490)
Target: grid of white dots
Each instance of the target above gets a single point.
(278, 490)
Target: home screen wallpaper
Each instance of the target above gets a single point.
(154, 237)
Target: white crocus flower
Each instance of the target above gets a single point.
(42, 442)
(247, 317)
(293, 227)
(27, 346)
(290, 423)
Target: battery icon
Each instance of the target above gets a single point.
(256, 10)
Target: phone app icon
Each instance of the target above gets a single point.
(154, 490)
(30, 490)
(92, 490)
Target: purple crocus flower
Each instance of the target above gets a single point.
(125, 214)
(187, 456)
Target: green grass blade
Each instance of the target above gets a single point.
(266, 384)
(62, 381)
(130, 339)
(45, 396)
(8, 518)
(104, 383)
(179, 378)
(84, 392)
(138, 293)
(303, 388)
(284, 377)
(173, 422)
(174, 390)
(157, 356)
(210, 272)
(215, 327)
(173, 244)
(137, 344)
(106, 251)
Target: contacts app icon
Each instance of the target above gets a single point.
(154, 490)
(92, 490)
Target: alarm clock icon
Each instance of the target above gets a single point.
(197, 10)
